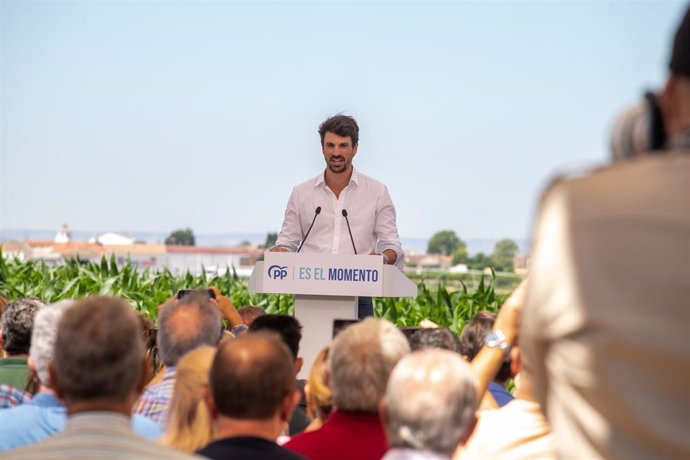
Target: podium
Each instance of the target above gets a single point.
(326, 287)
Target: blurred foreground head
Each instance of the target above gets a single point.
(289, 329)
(361, 360)
(17, 323)
(186, 324)
(318, 393)
(99, 355)
(189, 421)
(43, 338)
(442, 338)
(253, 378)
(430, 402)
(659, 122)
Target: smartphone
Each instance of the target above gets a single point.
(340, 324)
(182, 293)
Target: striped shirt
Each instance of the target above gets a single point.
(11, 396)
(96, 435)
(155, 400)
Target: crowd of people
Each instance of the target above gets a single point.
(587, 358)
(88, 382)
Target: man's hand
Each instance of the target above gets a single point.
(389, 256)
(279, 249)
(226, 308)
(508, 319)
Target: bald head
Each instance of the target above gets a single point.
(251, 376)
(185, 325)
(430, 402)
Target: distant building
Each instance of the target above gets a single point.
(64, 235)
(112, 239)
(459, 268)
(424, 262)
(177, 259)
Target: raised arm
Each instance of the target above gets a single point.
(506, 327)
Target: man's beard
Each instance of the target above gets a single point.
(338, 168)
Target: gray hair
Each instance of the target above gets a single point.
(361, 360)
(431, 401)
(43, 337)
(99, 353)
(186, 324)
(17, 323)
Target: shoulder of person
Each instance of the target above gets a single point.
(370, 182)
(571, 181)
(308, 184)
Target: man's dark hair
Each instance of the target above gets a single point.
(680, 54)
(289, 329)
(17, 322)
(99, 353)
(341, 125)
(251, 375)
(441, 338)
(472, 340)
(185, 324)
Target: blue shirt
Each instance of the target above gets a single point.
(500, 394)
(44, 416)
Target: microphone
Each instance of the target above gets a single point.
(349, 231)
(316, 213)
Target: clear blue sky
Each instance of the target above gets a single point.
(152, 116)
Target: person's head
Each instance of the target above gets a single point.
(99, 356)
(185, 324)
(472, 340)
(339, 142)
(341, 126)
(361, 359)
(289, 329)
(43, 339)
(253, 378)
(16, 324)
(675, 98)
(430, 402)
(317, 391)
(150, 338)
(441, 338)
(189, 421)
(249, 314)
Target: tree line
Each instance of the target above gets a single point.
(445, 242)
(448, 243)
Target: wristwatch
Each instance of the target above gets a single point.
(497, 339)
(237, 330)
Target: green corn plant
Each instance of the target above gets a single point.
(146, 289)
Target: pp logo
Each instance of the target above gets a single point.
(277, 272)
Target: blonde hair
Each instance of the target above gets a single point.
(190, 425)
(319, 400)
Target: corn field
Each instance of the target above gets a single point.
(147, 289)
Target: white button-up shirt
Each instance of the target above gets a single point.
(369, 208)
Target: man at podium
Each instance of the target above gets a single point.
(341, 211)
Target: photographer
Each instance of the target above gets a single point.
(606, 317)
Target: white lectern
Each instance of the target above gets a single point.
(326, 287)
